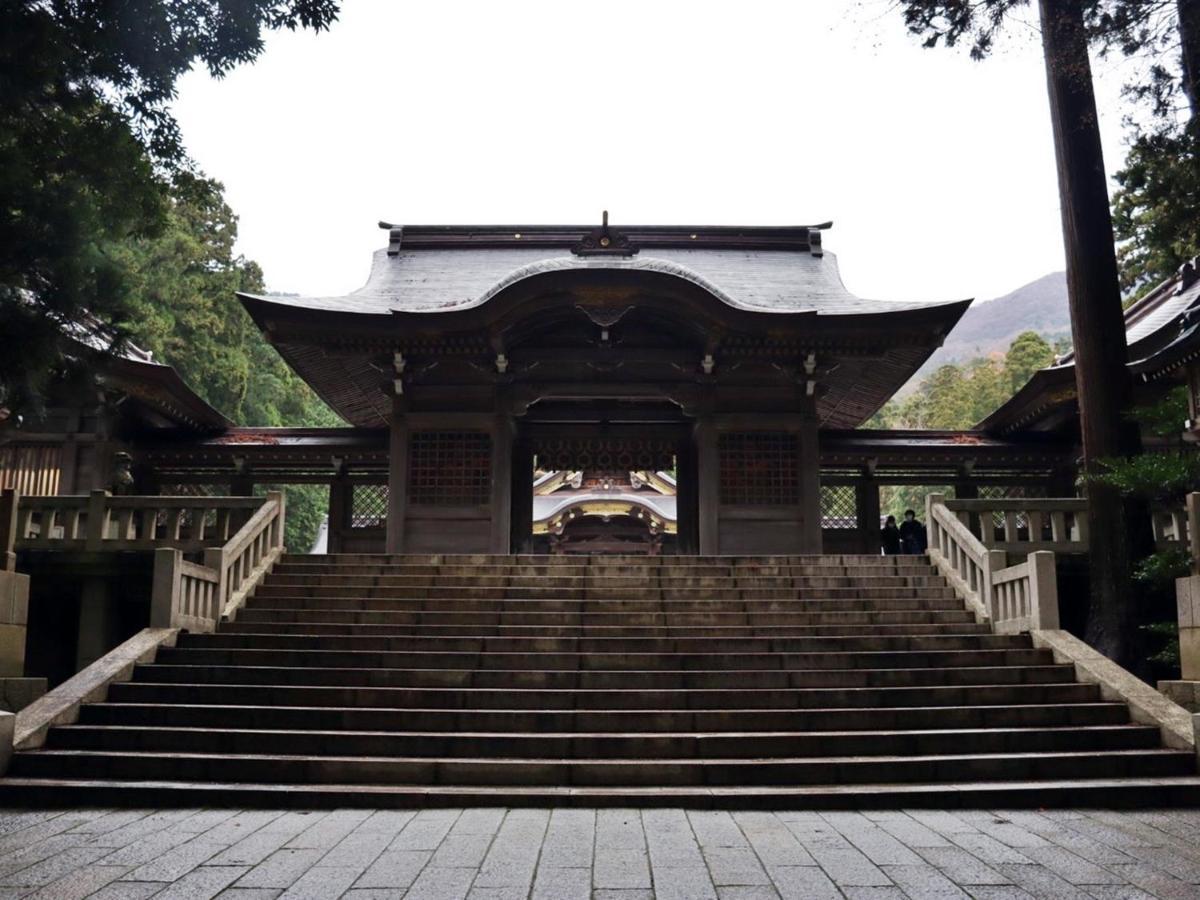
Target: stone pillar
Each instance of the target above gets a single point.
(810, 479)
(1186, 691)
(397, 507)
(708, 476)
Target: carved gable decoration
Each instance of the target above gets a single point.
(604, 241)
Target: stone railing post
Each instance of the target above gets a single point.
(97, 520)
(993, 561)
(1193, 530)
(164, 597)
(10, 499)
(1043, 590)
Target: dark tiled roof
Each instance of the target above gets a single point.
(439, 269)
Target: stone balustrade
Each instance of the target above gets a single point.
(101, 522)
(1018, 598)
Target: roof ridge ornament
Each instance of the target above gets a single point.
(604, 242)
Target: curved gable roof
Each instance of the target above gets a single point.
(431, 269)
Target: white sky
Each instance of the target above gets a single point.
(937, 171)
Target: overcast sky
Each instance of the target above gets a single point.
(938, 172)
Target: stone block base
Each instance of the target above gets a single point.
(1185, 693)
(18, 693)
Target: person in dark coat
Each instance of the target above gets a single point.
(889, 537)
(912, 534)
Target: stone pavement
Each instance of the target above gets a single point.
(612, 854)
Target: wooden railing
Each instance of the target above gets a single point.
(197, 597)
(247, 533)
(1016, 598)
(99, 521)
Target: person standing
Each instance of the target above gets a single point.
(889, 537)
(912, 535)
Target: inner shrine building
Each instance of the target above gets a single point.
(723, 366)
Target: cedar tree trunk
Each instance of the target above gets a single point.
(1189, 43)
(1097, 323)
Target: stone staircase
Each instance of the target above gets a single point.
(702, 681)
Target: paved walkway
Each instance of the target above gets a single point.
(610, 854)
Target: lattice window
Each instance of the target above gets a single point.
(450, 468)
(839, 506)
(759, 468)
(368, 506)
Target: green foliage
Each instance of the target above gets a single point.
(307, 505)
(959, 396)
(1158, 571)
(1027, 353)
(88, 148)
(185, 310)
(1166, 635)
(1165, 418)
(1154, 209)
(1162, 477)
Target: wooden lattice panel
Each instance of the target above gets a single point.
(839, 506)
(759, 468)
(450, 468)
(32, 469)
(368, 507)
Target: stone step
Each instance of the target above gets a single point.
(301, 625)
(709, 622)
(159, 738)
(608, 582)
(606, 561)
(434, 573)
(1113, 793)
(713, 678)
(694, 772)
(928, 659)
(361, 642)
(604, 607)
(258, 709)
(644, 592)
(319, 709)
(549, 699)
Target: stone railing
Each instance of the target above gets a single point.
(1059, 524)
(247, 533)
(1025, 525)
(100, 522)
(197, 597)
(1016, 598)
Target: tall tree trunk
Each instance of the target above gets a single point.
(1097, 324)
(1189, 42)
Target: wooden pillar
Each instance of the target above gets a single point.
(810, 479)
(339, 512)
(687, 511)
(502, 483)
(708, 487)
(866, 497)
(521, 540)
(397, 505)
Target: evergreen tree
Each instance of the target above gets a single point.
(88, 147)
(1028, 353)
(1093, 284)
